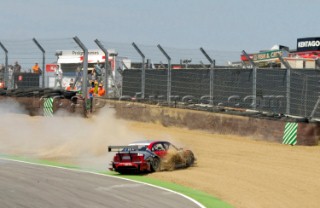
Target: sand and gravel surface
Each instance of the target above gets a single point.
(241, 171)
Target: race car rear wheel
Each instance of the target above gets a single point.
(155, 164)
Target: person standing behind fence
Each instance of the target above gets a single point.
(91, 94)
(16, 71)
(96, 87)
(98, 71)
(71, 87)
(101, 91)
(93, 75)
(36, 69)
(10, 76)
(16, 68)
(58, 76)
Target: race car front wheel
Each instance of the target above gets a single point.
(155, 164)
(190, 159)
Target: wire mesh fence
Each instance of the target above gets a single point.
(233, 88)
(164, 75)
(26, 53)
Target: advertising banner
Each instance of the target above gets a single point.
(266, 56)
(308, 44)
(51, 67)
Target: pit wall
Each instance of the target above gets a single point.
(255, 128)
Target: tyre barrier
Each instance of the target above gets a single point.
(46, 102)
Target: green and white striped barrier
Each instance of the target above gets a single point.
(48, 107)
(290, 133)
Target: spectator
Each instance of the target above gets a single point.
(78, 74)
(71, 81)
(78, 86)
(71, 87)
(58, 77)
(96, 86)
(10, 77)
(36, 69)
(101, 91)
(91, 94)
(98, 71)
(16, 68)
(93, 75)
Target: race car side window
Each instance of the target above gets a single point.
(166, 145)
(157, 147)
(143, 148)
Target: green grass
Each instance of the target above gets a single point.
(203, 198)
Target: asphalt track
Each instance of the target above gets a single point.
(35, 186)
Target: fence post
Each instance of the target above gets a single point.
(6, 72)
(85, 69)
(106, 66)
(212, 66)
(143, 72)
(288, 80)
(254, 81)
(43, 60)
(168, 74)
(288, 90)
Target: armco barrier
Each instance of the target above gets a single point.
(46, 102)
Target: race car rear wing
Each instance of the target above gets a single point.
(132, 148)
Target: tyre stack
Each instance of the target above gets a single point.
(31, 99)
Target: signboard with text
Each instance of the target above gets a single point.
(265, 56)
(308, 44)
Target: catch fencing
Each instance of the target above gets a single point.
(277, 92)
(26, 53)
(193, 78)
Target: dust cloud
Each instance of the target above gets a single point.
(171, 159)
(65, 138)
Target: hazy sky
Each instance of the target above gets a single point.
(231, 25)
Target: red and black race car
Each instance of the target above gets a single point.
(149, 156)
